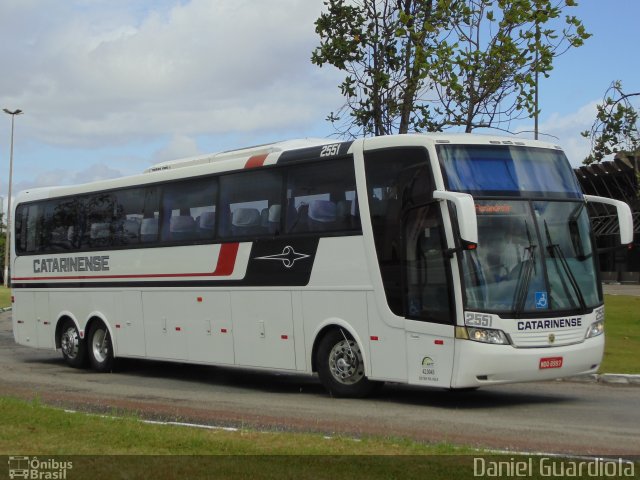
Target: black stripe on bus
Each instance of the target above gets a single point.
(314, 153)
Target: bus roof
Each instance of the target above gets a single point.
(293, 149)
(239, 153)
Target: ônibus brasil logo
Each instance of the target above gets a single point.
(35, 468)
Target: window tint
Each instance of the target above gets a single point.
(29, 223)
(100, 226)
(59, 231)
(189, 210)
(322, 197)
(427, 295)
(119, 218)
(397, 179)
(251, 203)
(507, 170)
(136, 208)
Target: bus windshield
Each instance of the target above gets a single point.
(532, 256)
(535, 252)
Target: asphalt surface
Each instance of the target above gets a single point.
(621, 289)
(551, 417)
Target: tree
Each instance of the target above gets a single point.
(616, 126)
(415, 65)
(383, 47)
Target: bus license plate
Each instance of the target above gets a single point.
(551, 362)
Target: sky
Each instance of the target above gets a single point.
(109, 87)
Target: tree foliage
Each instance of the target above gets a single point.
(616, 126)
(416, 65)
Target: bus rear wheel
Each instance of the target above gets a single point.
(340, 366)
(100, 348)
(74, 348)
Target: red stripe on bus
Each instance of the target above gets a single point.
(256, 161)
(226, 259)
(224, 268)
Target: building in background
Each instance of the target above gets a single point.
(619, 179)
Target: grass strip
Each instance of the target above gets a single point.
(30, 428)
(622, 330)
(58, 444)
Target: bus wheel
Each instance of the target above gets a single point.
(100, 348)
(74, 349)
(340, 366)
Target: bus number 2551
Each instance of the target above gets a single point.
(330, 150)
(477, 319)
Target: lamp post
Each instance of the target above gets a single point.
(7, 244)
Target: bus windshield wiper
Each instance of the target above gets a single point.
(558, 256)
(524, 277)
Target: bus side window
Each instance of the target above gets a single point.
(321, 198)
(187, 210)
(250, 204)
(99, 221)
(129, 212)
(20, 222)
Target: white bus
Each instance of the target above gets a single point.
(453, 261)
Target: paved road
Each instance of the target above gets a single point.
(562, 417)
(621, 289)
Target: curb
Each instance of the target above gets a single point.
(606, 378)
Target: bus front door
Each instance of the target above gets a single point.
(429, 311)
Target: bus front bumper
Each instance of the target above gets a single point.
(479, 364)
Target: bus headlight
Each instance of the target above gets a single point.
(596, 328)
(484, 335)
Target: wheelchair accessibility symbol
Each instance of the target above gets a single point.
(541, 300)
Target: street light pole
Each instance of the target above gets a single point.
(7, 244)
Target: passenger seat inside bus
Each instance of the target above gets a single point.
(149, 230)
(343, 214)
(300, 222)
(246, 221)
(272, 223)
(131, 231)
(182, 227)
(206, 224)
(322, 215)
(100, 234)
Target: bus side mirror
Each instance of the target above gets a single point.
(625, 219)
(466, 213)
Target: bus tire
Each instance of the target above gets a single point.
(74, 348)
(340, 366)
(100, 347)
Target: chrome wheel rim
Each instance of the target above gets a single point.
(345, 362)
(99, 345)
(70, 342)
